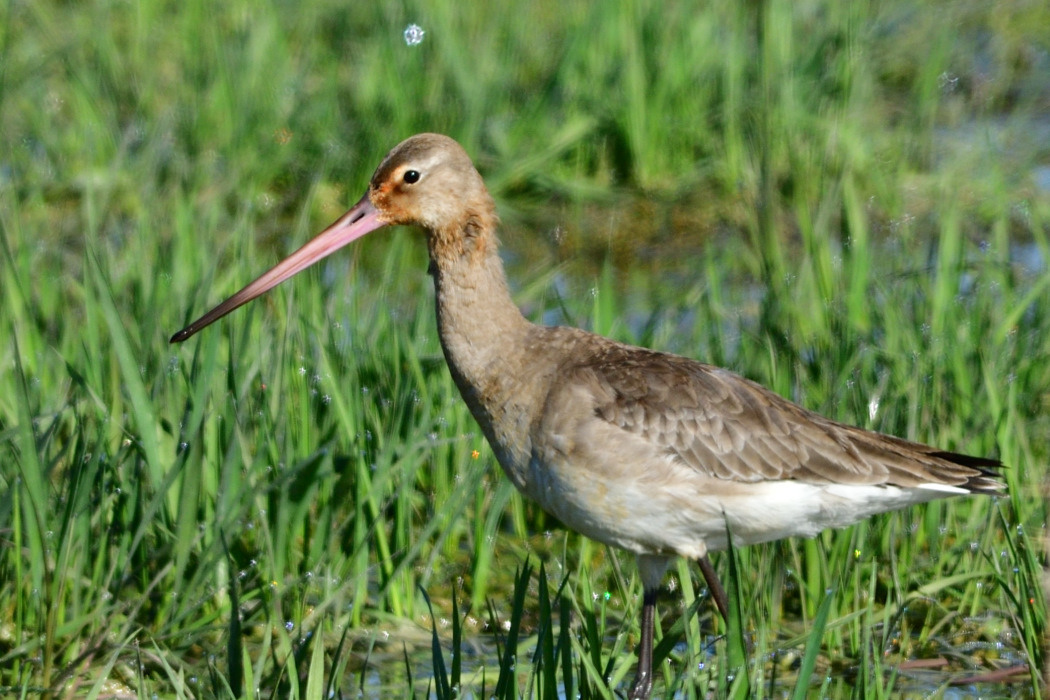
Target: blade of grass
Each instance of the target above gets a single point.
(813, 648)
(443, 690)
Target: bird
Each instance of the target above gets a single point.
(653, 453)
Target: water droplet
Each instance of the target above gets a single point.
(414, 34)
(947, 82)
(289, 625)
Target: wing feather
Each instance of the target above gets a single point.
(728, 427)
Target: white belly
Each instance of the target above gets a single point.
(689, 515)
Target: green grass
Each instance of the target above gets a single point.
(835, 199)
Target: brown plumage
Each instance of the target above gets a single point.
(651, 452)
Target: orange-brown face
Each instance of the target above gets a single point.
(428, 181)
(397, 194)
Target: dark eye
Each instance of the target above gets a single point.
(411, 176)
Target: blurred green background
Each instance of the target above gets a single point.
(847, 202)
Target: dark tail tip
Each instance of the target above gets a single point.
(988, 478)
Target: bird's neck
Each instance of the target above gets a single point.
(482, 331)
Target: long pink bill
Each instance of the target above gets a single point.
(361, 219)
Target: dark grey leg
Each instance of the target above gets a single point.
(715, 586)
(643, 681)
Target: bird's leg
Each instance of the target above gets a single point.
(653, 571)
(715, 586)
(651, 567)
(643, 680)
